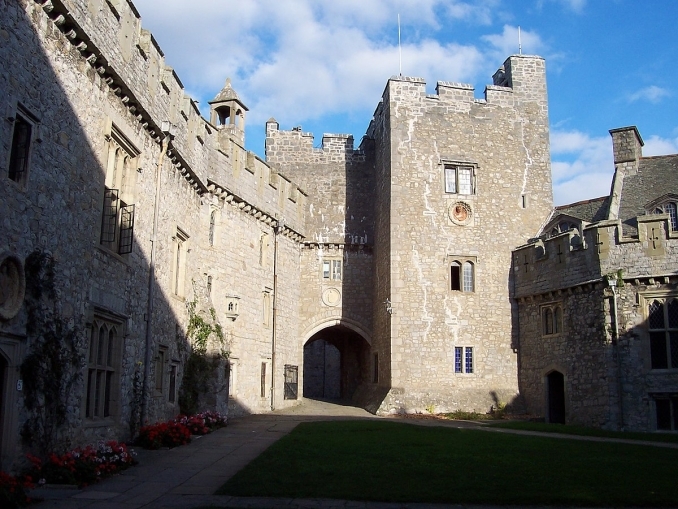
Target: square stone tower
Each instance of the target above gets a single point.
(459, 182)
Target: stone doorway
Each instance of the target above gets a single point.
(336, 362)
(555, 382)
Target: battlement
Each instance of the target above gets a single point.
(520, 78)
(127, 58)
(296, 147)
(564, 260)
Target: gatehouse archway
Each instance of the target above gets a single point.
(336, 362)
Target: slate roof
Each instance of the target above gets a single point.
(590, 211)
(227, 94)
(656, 177)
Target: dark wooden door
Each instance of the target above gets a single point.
(556, 397)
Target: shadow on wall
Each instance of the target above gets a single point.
(81, 205)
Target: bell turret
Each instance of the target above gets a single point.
(227, 113)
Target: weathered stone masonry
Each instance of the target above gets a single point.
(91, 81)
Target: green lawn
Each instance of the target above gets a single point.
(397, 462)
(590, 432)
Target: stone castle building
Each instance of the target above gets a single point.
(405, 274)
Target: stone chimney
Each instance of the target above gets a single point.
(626, 144)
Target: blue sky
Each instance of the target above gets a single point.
(323, 64)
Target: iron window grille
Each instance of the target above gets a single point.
(291, 381)
(117, 223)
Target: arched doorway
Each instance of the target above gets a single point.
(555, 382)
(336, 362)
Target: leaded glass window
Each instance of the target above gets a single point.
(101, 369)
(662, 321)
(459, 180)
(463, 359)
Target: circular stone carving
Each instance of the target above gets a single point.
(12, 286)
(460, 213)
(331, 297)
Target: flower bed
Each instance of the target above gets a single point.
(13, 491)
(82, 466)
(203, 423)
(178, 431)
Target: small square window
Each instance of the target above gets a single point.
(459, 179)
(332, 269)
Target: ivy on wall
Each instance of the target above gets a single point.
(54, 362)
(201, 375)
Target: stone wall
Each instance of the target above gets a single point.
(89, 79)
(505, 140)
(572, 270)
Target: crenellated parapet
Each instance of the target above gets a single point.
(127, 59)
(572, 258)
(296, 147)
(520, 80)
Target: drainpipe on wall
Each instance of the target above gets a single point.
(167, 130)
(277, 230)
(615, 327)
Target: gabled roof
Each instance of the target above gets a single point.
(590, 211)
(656, 176)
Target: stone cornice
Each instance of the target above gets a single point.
(240, 203)
(329, 246)
(60, 15)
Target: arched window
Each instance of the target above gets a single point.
(468, 276)
(552, 319)
(455, 276)
(671, 209)
(662, 320)
(101, 373)
(462, 276)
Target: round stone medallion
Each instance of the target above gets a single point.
(12, 286)
(460, 213)
(331, 297)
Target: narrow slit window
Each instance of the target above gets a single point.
(21, 143)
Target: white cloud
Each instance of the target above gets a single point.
(302, 59)
(506, 43)
(653, 94)
(657, 146)
(582, 166)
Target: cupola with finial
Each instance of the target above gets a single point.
(227, 113)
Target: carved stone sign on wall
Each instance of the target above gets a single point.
(461, 213)
(12, 286)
